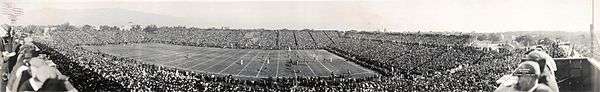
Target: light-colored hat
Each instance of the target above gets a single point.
(28, 40)
(3, 32)
(41, 70)
(537, 55)
(528, 65)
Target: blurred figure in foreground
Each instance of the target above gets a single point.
(547, 67)
(527, 77)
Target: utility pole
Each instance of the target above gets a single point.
(12, 12)
(592, 33)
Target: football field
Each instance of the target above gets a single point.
(253, 63)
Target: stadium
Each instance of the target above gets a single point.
(138, 55)
(195, 59)
(192, 59)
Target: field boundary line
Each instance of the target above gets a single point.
(367, 72)
(357, 66)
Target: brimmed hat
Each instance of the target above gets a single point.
(529, 65)
(536, 55)
(41, 70)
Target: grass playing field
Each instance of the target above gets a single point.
(252, 63)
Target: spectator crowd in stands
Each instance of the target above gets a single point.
(406, 61)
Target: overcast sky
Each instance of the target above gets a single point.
(397, 15)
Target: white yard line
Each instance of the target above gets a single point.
(206, 55)
(144, 55)
(224, 60)
(257, 54)
(330, 64)
(277, 69)
(204, 52)
(307, 65)
(227, 53)
(175, 54)
(235, 61)
(137, 53)
(153, 54)
(168, 48)
(313, 72)
(263, 64)
(325, 67)
(321, 62)
(295, 73)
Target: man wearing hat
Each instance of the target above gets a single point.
(5, 53)
(547, 69)
(10, 51)
(528, 74)
(21, 64)
(40, 72)
(26, 52)
(18, 77)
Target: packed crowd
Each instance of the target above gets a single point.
(436, 39)
(94, 71)
(408, 62)
(24, 67)
(226, 38)
(422, 67)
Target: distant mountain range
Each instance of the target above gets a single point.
(103, 16)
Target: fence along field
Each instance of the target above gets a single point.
(251, 63)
